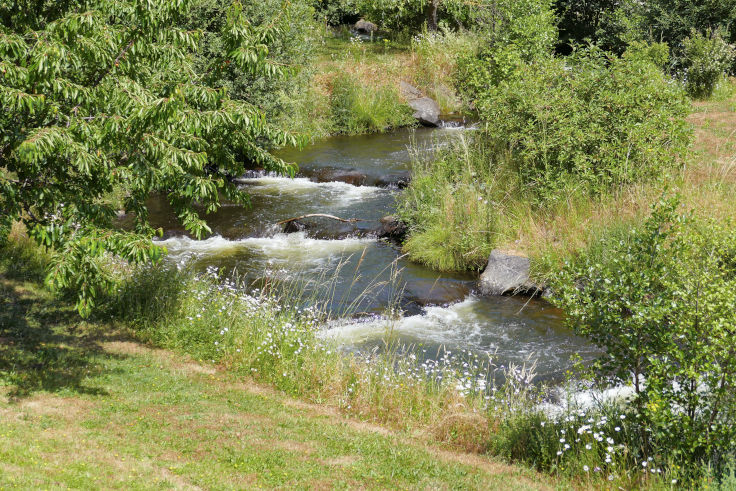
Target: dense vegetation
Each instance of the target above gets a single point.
(582, 138)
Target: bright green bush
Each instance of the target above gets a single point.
(707, 59)
(591, 122)
(661, 304)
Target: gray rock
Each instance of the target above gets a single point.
(506, 273)
(426, 110)
(365, 27)
(409, 92)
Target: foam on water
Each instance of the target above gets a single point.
(285, 246)
(442, 325)
(341, 191)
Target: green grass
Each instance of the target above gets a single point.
(86, 406)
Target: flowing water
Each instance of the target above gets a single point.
(358, 177)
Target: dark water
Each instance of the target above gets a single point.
(366, 275)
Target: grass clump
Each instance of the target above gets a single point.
(357, 108)
(456, 204)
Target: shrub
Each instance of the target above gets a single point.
(336, 12)
(707, 58)
(661, 303)
(592, 122)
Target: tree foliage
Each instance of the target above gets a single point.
(102, 95)
(613, 25)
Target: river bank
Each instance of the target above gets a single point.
(86, 405)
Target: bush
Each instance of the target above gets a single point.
(593, 122)
(661, 303)
(514, 33)
(707, 59)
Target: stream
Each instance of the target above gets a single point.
(359, 177)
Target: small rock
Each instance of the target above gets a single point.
(395, 181)
(506, 273)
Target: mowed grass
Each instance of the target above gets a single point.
(82, 405)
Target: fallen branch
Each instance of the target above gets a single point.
(322, 215)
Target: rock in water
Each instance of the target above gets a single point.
(426, 110)
(348, 176)
(365, 27)
(392, 229)
(506, 273)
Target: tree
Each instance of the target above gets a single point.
(102, 96)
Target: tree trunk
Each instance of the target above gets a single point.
(431, 10)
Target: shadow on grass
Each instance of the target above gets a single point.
(44, 345)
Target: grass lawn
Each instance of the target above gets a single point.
(83, 405)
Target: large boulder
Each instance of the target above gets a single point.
(506, 273)
(365, 27)
(426, 110)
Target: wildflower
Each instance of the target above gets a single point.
(610, 477)
(588, 446)
(618, 428)
(586, 468)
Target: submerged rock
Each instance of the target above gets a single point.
(397, 181)
(348, 176)
(294, 226)
(507, 273)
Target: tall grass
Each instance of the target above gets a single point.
(435, 56)
(269, 335)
